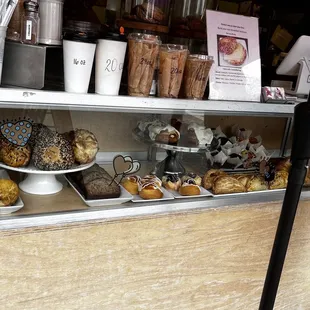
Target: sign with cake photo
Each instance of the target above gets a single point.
(234, 43)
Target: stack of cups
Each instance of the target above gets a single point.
(110, 56)
(79, 46)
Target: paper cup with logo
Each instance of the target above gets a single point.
(78, 63)
(143, 55)
(110, 56)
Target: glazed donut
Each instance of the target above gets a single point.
(150, 191)
(190, 188)
(131, 184)
(210, 176)
(152, 178)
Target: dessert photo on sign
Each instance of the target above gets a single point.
(232, 51)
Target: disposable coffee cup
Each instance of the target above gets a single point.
(110, 56)
(2, 44)
(78, 63)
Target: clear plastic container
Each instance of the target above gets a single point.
(14, 28)
(190, 14)
(143, 54)
(172, 60)
(196, 75)
(150, 11)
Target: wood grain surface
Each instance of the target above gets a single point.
(213, 259)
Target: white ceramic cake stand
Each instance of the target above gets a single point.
(40, 182)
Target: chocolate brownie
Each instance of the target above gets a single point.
(95, 183)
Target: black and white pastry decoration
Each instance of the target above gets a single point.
(123, 166)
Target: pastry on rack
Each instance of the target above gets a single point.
(171, 182)
(280, 181)
(9, 193)
(150, 190)
(210, 176)
(189, 188)
(15, 156)
(36, 131)
(52, 152)
(85, 145)
(227, 185)
(194, 176)
(199, 135)
(131, 184)
(256, 183)
(95, 183)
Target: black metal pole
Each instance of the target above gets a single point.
(285, 226)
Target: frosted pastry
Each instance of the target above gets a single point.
(150, 190)
(189, 188)
(171, 182)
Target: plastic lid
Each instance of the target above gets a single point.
(142, 37)
(201, 57)
(174, 47)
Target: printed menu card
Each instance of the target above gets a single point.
(234, 43)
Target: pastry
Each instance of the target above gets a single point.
(238, 56)
(36, 130)
(163, 134)
(256, 183)
(171, 182)
(9, 193)
(131, 184)
(151, 178)
(227, 185)
(150, 190)
(3, 144)
(16, 156)
(189, 188)
(85, 145)
(280, 180)
(243, 178)
(199, 135)
(52, 152)
(209, 177)
(284, 165)
(193, 176)
(95, 183)
(227, 45)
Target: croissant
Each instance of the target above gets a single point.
(243, 178)
(284, 165)
(227, 185)
(257, 183)
(209, 177)
(280, 180)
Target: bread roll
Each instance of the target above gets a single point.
(9, 193)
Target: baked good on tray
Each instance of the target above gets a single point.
(189, 188)
(131, 184)
(9, 193)
(171, 182)
(192, 176)
(256, 183)
(85, 145)
(52, 152)
(151, 178)
(227, 185)
(150, 190)
(95, 183)
(280, 181)
(210, 176)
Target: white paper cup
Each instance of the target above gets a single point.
(2, 43)
(78, 63)
(110, 57)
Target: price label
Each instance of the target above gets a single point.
(81, 62)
